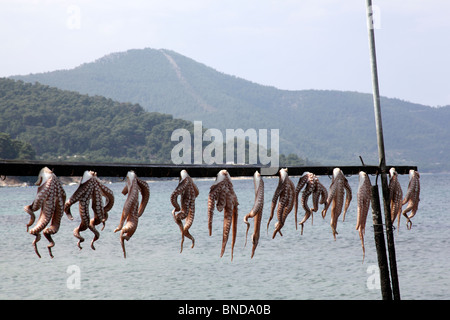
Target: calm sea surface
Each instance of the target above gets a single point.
(308, 266)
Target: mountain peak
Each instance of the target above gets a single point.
(332, 127)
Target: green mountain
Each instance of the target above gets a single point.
(332, 127)
(52, 124)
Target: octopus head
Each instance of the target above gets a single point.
(362, 177)
(336, 172)
(183, 175)
(131, 176)
(87, 175)
(222, 175)
(392, 172)
(413, 173)
(43, 176)
(257, 179)
(283, 174)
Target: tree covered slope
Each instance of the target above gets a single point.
(332, 127)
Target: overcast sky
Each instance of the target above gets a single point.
(298, 44)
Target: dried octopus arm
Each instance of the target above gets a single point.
(279, 189)
(308, 211)
(215, 192)
(108, 194)
(282, 212)
(412, 197)
(290, 199)
(188, 191)
(131, 209)
(227, 220)
(223, 185)
(363, 203)
(211, 204)
(320, 195)
(301, 183)
(130, 227)
(37, 203)
(181, 187)
(44, 219)
(222, 199)
(256, 209)
(336, 208)
(79, 194)
(331, 195)
(234, 224)
(60, 198)
(348, 196)
(100, 215)
(413, 187)
(309, 190)
(145, 192)
(256, 232)
(189, 219)
(395, 195)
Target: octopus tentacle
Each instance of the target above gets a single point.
(44, 219)
(130, 227)
(145, 192)
(181, 187)
(301, 183)
(309, 190)
(286, 200)
(188, 191)
(132, 209)
(56, 216)
(280, 187)
(108, 194)
(223, 189)
(83, 207)
(90, 189)
(100, 215)
(41, 195)
(339, 186)
(50, 199)
(363, 199)
(412, 197)
(395, 196)
(348, 197)
(256, 211)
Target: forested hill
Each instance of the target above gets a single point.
(331, 127)
(65, 125)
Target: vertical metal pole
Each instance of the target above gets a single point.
(381, 153)
(380, 245)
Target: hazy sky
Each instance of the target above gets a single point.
(298, 44)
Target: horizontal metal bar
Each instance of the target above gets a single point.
(32, 168)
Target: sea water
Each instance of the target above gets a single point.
(292, 266)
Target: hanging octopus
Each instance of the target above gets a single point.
(313, 188)
(222, 196)
(364, 196)
(50, 199)
(188, 191)
(256, 211)
(90, 188)
(395, 196)
(339, 185)
(412, 197)
(131, 209)
(285, 192)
